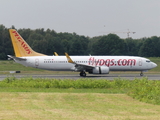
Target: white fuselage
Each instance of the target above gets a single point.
(115, 63)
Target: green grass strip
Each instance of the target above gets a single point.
(142, 89)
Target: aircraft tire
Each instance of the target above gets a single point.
(141, 74)
(83, 74)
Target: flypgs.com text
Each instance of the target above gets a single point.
(112, 62)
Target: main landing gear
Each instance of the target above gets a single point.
(141, 74)
(83, 74)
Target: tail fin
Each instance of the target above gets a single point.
(21, 48)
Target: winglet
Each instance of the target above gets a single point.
(55, 53)
(69, 59)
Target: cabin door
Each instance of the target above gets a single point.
(36, 62)
(140, 62)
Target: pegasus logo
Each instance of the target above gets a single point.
(22, 43)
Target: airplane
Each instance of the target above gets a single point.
(91, 64)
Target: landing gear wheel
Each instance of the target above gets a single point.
(141, 74)
(83, 74)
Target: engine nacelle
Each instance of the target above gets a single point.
(100, 70)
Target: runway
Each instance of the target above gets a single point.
(70, 76)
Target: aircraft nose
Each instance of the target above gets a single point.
(154, 65)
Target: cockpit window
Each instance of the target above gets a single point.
(148, 61)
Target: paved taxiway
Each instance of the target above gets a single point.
(64, 76)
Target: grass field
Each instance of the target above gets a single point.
(74, 106)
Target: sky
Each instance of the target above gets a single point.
(85, 17)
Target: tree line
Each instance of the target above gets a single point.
(49, 41)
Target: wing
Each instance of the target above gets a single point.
(79, 67)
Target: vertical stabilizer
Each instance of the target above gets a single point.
(21, 48)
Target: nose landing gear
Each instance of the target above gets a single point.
(141, 74)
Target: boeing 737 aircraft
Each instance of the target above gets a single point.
(91, 64)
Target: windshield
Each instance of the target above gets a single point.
(148, 61)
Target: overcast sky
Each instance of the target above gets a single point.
(84, 17)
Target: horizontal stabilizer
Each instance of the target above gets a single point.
(16, 58)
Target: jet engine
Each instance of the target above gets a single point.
(100, 70)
